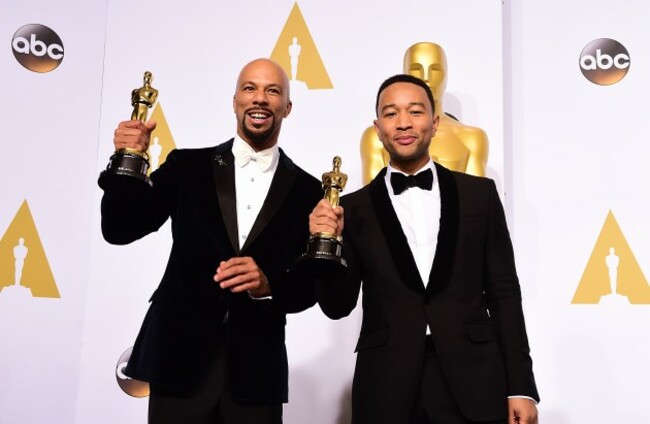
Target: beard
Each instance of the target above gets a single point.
(258, 137)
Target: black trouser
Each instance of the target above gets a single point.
(434, 402)
(210, 404)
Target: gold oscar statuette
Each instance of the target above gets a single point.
(128, 164)
(324, 250)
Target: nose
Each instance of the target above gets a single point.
(404, 121)
(260, 97)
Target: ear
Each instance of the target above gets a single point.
(436, 122)
(377, 129)
(234, 107)
(287, 111)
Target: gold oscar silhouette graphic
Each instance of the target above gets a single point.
(131, 163)
(455, 146)
(612, 276)
(24, 267)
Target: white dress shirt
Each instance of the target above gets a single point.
(418, 212)
(253, 175)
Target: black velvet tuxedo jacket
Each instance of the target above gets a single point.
(189, 313)
(472, 303)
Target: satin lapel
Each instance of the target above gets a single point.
(397, 243)
(281, 185)
(443, 262)
(223, 167)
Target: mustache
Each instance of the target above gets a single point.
(259, 109)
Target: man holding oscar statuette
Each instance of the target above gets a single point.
(443, 338)
(212, 343)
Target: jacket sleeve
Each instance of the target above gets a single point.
(505, 303)
(132, 210)
(338, 295)
(292, 288)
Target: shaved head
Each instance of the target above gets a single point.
(261, 102)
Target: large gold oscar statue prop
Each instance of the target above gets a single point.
(128, 164)
(324, 250)
(455, 146)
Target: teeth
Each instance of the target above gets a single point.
(258, 115)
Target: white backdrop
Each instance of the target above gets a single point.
(578, 151)
(569, 153)
(195, 67)
(49, 125)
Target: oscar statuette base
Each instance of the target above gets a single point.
(123, 169)
(323, 256)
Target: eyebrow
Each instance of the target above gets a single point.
(409, 105)
(273, 85)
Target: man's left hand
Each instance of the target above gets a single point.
(522, 411)
(242, 274)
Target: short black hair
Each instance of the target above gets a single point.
(405, 78)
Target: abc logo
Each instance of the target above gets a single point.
(604, 61)
(130, 386)
(37, 48)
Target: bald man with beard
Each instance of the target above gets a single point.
(212, 343)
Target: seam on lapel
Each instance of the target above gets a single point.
(223, 167)
(443, 262)
(392, 229)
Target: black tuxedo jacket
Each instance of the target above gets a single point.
(472, 303)
(189, 313)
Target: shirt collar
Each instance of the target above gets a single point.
(244, 153)
(390, 170)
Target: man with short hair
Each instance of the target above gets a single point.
(443, 338)
(212, 343)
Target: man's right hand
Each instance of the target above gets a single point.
(326, 219)
(133, 135)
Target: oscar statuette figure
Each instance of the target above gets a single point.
(128, 164)
(324, 250)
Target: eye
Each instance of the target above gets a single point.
(390, 114)
(248, 88)
(273, 91)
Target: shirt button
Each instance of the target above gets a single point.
(243, 237)
(248, 207)
(252, 179)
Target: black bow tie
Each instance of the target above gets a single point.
(401, 182)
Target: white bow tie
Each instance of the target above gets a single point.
(264, 159)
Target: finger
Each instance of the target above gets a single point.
(137, 144)
(512, 418)
(323, 226)
(244, 261)
(245, 287)
(326, 220)
(323, 214)
(323, 204)
(131, 137)
(216, 272)
(131, 124)
(228, 282)
(151, 125)
(229, 271)
(327, 229)
(528, 419)
(131, 131)
(320, 211)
